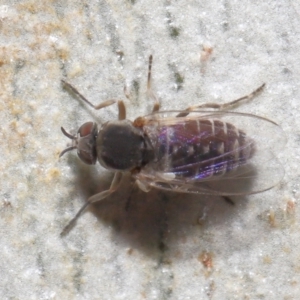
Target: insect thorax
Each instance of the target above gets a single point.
(121, 146)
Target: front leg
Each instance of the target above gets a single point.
(98, 197)
(121, 105)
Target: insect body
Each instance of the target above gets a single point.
(192, 151)
(199, 148)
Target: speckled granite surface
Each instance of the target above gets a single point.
(161, 245)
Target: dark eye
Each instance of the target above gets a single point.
(86, 148)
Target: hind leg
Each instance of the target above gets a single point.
(224, 106)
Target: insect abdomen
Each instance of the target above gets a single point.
(202, 148)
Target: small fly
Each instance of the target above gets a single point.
(195, 150)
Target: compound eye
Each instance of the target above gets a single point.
(86, 147)
(86, 129)
(87, 157)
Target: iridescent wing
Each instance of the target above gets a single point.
(259, 173)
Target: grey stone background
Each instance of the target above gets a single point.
(162, 245)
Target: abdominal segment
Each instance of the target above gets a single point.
(201, 149)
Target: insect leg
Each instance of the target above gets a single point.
(122, 110)
(239, 101)
(143, 186)
(121, 106)
(98, 197)
(150, 92)
(224, 106)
